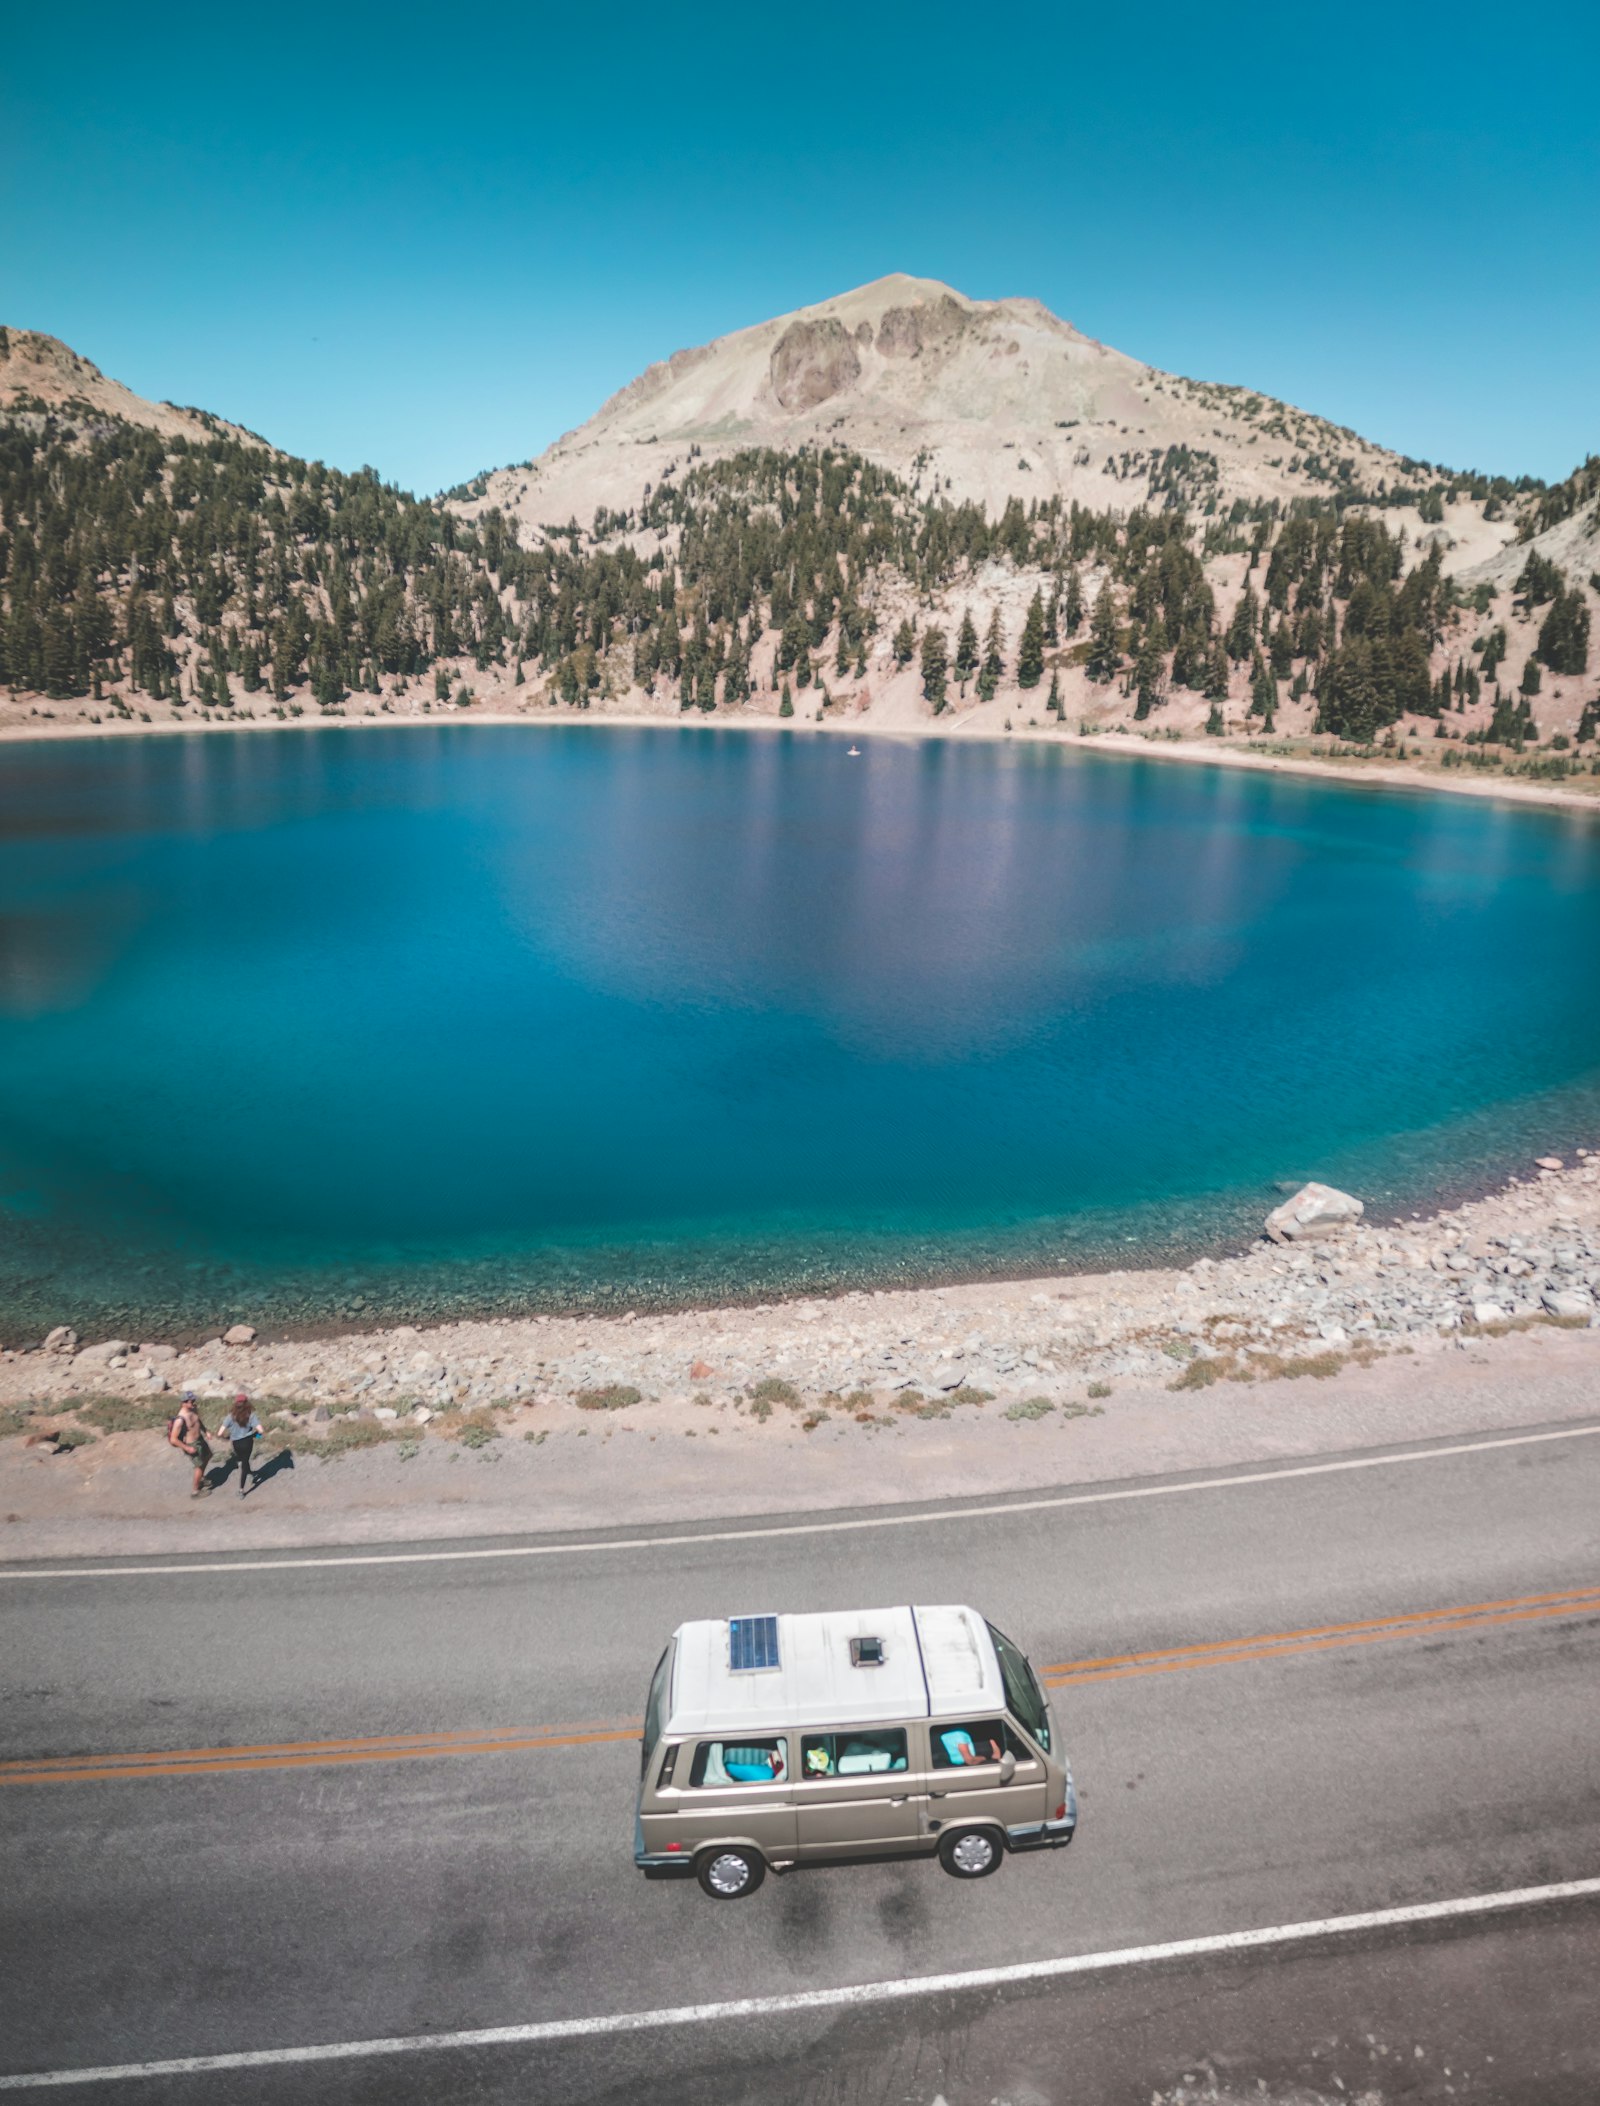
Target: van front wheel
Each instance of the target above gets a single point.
(729, 1875)
(970, 1853)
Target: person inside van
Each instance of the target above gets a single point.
(956, 1747)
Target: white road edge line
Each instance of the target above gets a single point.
(853, 1996)
(920, 1519)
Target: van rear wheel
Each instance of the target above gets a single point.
(970, 1853)
(729, 1875)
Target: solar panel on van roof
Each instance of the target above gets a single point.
(752, 1643)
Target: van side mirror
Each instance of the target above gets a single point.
(1008, 1767)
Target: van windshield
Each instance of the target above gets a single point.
(655, 1709)
(1023, 1694)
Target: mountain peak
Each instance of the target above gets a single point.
(994, 399)
(39, 372)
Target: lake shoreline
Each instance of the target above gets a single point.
(1523, 1257)
(1353, 773)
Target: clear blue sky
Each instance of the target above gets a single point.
(433, 239)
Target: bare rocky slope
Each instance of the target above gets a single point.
(981, 399)
(41, 374)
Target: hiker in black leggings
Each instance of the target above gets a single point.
(244, 1429)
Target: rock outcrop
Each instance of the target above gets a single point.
(813, 361)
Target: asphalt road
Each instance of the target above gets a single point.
(330, 1892)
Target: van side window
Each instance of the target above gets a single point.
(852, 1754)
(762, 1760)
(962, 1743)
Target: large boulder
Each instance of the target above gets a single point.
(1313, 1209)
(1569, 1304)
(108, 1349)
(63, 1339)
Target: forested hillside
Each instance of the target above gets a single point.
(144, 573)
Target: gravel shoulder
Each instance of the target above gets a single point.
(1484, 1317)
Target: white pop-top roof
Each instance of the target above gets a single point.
(938, 1663)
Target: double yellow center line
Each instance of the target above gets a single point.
(309, 1754)
(1279, 1645)
(1067, 1674)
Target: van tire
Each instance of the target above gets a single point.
(970, 1853)
(730, 1874)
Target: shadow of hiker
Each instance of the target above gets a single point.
(283, 1460)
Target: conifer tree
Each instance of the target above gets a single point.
(1564, 638)
(786, 705)
(1030, 652)
(966, 659)
(1052, 701)
(934, 667)
(1148, 667)
(1105, 651)
(1072, 604)
(1243, 626)
(992, 670)
(905, 642)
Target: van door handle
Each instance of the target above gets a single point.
(901, 1800)
(938, 1795)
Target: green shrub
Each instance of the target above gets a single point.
(1030, 1408)
(772, 1389)
(1199, 1374)
(966, 1394)
(14, 1418)
(74, 1437)
(1099, 1389)
(616, 1396)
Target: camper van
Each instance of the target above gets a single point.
(775, 1741)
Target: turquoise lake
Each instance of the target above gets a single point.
(314, 1025)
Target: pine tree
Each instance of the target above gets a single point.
(966, 650)
(934, 667)
(1564, 638)
(1030, 652)
(1072, 604)
(1243, 626)
(1530, 682)
(1215, 687)
(1214, 723)
(786, 705)
(905, 642)
(1148, 667)
(1105, 651)
(1052, 701)
(992, 671)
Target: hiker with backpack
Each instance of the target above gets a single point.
(187, 1433)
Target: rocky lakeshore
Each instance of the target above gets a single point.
(1335, 1293)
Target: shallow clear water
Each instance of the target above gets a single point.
(464, 1017)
